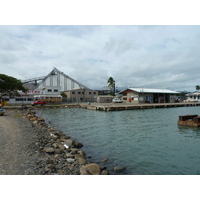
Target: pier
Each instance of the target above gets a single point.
(110, 106)
(126, 106)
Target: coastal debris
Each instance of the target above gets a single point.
(189, 120)
(67, 147)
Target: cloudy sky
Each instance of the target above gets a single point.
(137, 56)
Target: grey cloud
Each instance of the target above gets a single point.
(7, 59)
(110, 45)
(123, 46)
(10, 45)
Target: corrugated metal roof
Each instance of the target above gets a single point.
(193, 94)
(145, 90)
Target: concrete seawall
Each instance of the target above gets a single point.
(113, 106)
(118, 107)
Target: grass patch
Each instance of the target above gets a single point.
(18, 115)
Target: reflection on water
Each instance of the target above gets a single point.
(144, 141)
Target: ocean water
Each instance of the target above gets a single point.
(145, 142)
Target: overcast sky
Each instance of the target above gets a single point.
(137, 56)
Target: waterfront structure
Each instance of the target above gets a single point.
(81, 95)
(189, 120)
(31, 95)
(104, 99)
(194, 96)
(144, 95)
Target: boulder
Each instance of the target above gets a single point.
(77, 156)
(53, 136)
(69, 143)
(61, 147)
(35, 122)
(58, 151)
(33, 118)
(74, 150)
(41, 119)
(48, 149)
(69, 155)
(91, 168)
(119, 169)
(82, 161)
(84, 171)
(81, 152)
(78, 145)
(104, 172)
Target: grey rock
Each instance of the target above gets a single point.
(71, 160)
(69, 143)
(48, 149)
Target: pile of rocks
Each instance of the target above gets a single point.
(59, 154)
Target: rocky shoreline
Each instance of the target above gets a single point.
(59, 154)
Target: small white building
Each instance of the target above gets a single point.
(30, 95)
(194, 96)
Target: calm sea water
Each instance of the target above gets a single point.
(144, 141)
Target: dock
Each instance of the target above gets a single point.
(126, 106)
(110, 106)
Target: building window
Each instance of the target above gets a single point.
(79, 92)
(82, 92)
(94, 92)
(49, 90)
(55, 90)
(73, 92)
(20, 99)
(89, 92)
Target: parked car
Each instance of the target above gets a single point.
(117, 101)
(39, 103)
(2, 111)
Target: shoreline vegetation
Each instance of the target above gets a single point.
(49, 152)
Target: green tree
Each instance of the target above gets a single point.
(197, 87)
(63, 95)
(111, 84)
(9, 86)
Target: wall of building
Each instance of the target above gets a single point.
(104, 99)
(81, 95)
(59, 79)
(133, 97)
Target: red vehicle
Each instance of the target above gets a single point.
(39, 103)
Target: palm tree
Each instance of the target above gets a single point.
(197, 87)
(111, 83)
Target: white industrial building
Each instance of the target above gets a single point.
(52, 84)
(54, 79)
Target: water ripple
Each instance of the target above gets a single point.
(144, 141)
